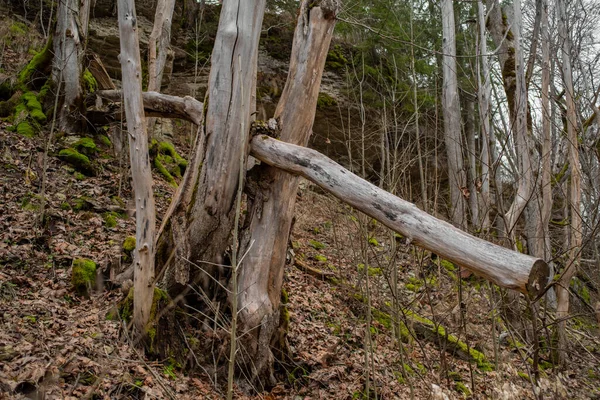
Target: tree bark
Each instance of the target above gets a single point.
(199, 222)
(140, 165)
(72, 18)
(484, 93)
(271, 205)
(507, 37)
(158, 47)
(452, 127)
(562, 292)
(505, 267)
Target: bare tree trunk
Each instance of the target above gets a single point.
(271, 206)
(472, 157)
(157, 54)
(507, 36)
(546, 209)
(145, 216)
(72, 19)
(451, 107)
(546, 178)
(200, 219)
(484, 94)
(575, 185)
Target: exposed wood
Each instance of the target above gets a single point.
(163, 105)
(69, 39)
(159, 44)
(271, 207)
(502, 266)
(575, 228)
(506, 268)
(145, 216)
(484, 93)
(452, 125)
(97, 69)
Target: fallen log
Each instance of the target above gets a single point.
(163, 105)
(504, 267)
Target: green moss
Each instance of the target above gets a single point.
(462, 388)
(45, 91)
(316, 245)
(523, 375)
(324, 101)
(89, 82)
(38, 63)
(65, 206)
(24, 128)
(126, 307)
(105, 140)
(79, 176)
(168, 149)
(373, 241)
(83, 276)
(34, 107)
(159, 163)
(18, 28)
(110, 219)
(371, 271)
(411, 287)
(129, 244)
(76, 159)
(336, 59)
(321, 258)
(159, 300)
(448, 266)
(86, 146)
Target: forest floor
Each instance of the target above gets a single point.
(55, 344)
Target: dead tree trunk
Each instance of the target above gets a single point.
(498, 264)
(484, 93)
(507, 36)
(562, 292)
(72, 18)
(273, 192)
(145, 216)
(158, 49)
(452, 128)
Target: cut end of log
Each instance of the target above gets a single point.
(538, 278)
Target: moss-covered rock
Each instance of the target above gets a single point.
(167, 161)
(24, 128)
(86, 146)
(76, 159)
(129, 244)
(83, 275)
